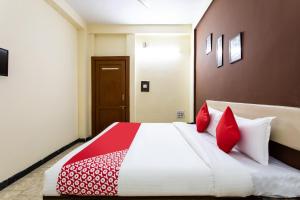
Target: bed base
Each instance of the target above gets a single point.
(149, 198)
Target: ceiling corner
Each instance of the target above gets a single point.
(206, 4)
(66, 11)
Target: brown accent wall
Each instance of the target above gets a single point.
(270, 70)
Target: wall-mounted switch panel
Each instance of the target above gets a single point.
(145, 86)
(180, 114)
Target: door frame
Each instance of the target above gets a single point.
(94, 59)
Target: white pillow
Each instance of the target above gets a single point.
(215, 117)
(255, 135)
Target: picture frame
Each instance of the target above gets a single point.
(236, 48)
(208, 44)
(219, 51)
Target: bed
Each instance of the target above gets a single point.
(169, 160)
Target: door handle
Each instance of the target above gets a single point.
(110, 68)
(123, 107)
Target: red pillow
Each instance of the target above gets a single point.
(228, 133)
(202, 119)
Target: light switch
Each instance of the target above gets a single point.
(145, 86)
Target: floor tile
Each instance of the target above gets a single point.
(30, 187)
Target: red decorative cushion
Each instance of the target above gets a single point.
(228, 133)
(202, 119)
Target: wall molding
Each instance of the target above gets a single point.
(140, 29)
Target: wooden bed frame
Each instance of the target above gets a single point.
(150, 198)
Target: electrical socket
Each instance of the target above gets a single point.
(180, 114)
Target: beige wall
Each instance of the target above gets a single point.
(165, 62)
(123, 43)
(45, 102)
(84, 116)
(38, 100)
(110, 45)
(98, 45)
(113, 45)
(130, 51)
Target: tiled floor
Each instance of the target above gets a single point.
(30, 187)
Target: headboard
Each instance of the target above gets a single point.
(285, 134)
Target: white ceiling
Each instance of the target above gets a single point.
(134, 12)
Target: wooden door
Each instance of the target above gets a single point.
(110, 91)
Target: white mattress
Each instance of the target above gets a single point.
(161, 161)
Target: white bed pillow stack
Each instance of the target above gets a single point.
(215, 117)
(255, 135)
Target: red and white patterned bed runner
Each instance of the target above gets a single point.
(94, 171)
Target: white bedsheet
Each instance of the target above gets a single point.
(223, 167)
(173, 159)
(274, 180)
(161, 163)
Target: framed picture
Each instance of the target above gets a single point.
(235, 48)
(219, 51)
(208, 44)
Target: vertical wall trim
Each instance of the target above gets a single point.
(195, 71)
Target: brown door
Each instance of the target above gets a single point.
(110, 91)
